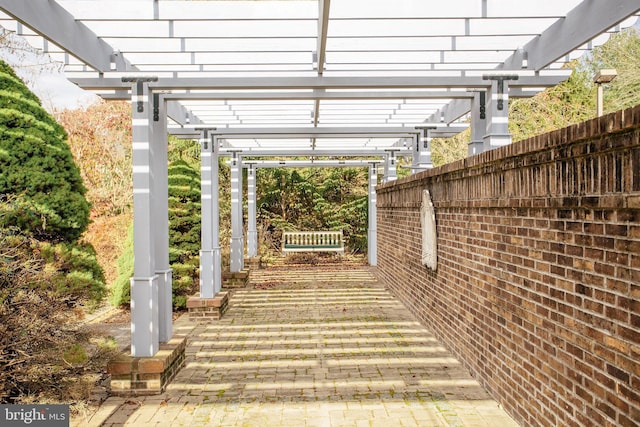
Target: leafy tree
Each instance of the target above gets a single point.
(314, 199)
(39, 176)
(100, 141)
(622, 52)
(571, 101)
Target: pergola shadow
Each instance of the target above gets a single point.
(317, 347)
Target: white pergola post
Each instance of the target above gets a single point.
(210, 259)
(160, 201)
(497, 115)
(144, 283)
(478, 122)
(372, 243)
(390, 167)
(237, 240)
(422, 152)
(252, 229)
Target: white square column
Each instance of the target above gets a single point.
(160, 200)
(372, 232)
(252, 228)
(237, 233)
(144, 283)
(210, 259)
(497, 133)
(390, 167)
(478, 122)
(422, 150)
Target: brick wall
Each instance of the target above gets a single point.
(537, 288)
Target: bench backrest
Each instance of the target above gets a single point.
(312, 241)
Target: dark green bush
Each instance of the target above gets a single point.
(39, 179)
(184, 229)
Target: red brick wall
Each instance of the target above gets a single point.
(537, 289)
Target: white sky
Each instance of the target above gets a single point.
(42, 77)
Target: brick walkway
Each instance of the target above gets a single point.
(313, 348)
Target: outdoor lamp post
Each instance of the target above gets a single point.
(603, 76)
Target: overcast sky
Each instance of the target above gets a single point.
(42, 75)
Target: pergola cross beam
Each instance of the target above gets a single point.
(322, 82)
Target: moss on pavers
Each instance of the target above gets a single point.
(287, 355)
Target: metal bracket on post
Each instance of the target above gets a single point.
(205, 136)
(139, 81)
(234, 156)
(390, 165)
(392, 157)
(422, 158)
(156, 107)
(483, 105)
(500, 78)
(425, 134)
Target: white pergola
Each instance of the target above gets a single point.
(369, 79)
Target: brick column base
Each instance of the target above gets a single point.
(239, 279)
(202, 309)
(143, 376)
(252, 263)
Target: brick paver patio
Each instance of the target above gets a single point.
(314, 347)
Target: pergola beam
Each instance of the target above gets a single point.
(54, 23)
(344, 152)
(313, 132)
(453, 111)
(321, 50)
(320, 95)
(319, 82)
(583, 23)
(439, 131)
(323, 26)
(309, 163)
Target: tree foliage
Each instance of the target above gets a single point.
(571, 101)
(100, 141)
(314, 199)
(621, 52)
(39, 177)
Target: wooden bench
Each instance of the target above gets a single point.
(312, 241)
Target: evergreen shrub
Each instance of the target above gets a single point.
(39, 179)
